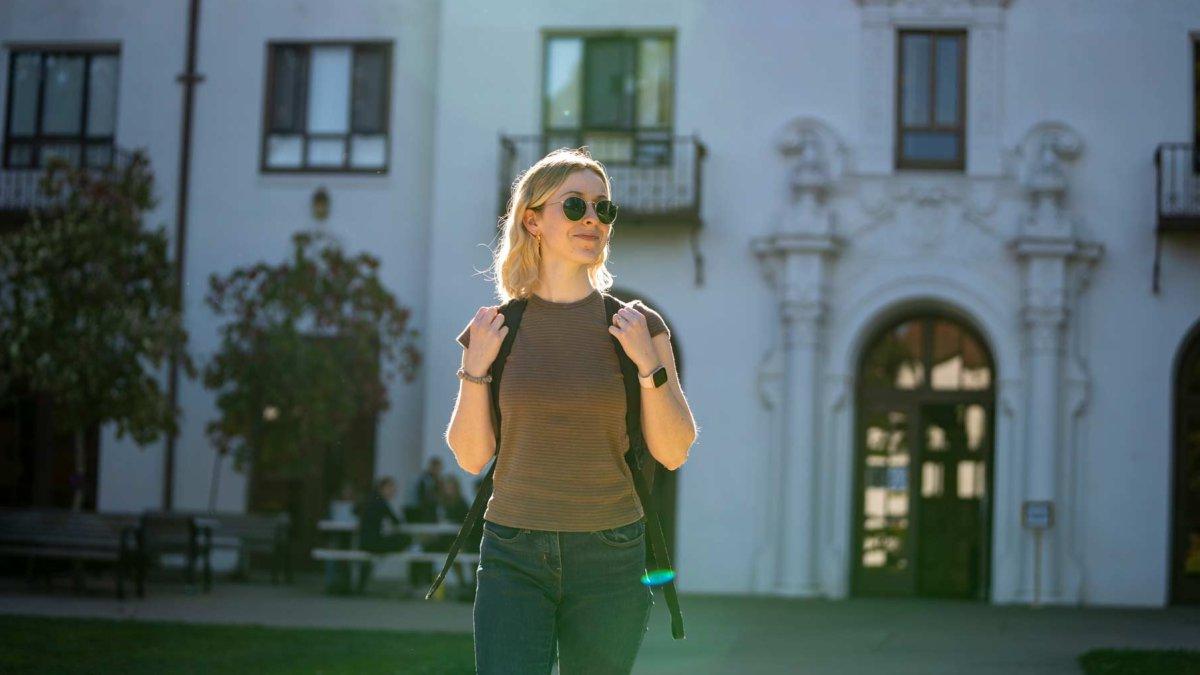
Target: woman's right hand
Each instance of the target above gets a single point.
(487, 333)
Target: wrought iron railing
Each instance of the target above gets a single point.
(667, 191)
(1177, 195)
(20, 188)
(1178, 186)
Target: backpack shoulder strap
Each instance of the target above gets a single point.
(642, 468)
(512, 311)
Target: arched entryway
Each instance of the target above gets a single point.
(924, 458)
(1185, 549)
(666, 483)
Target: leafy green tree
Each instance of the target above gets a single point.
(88, 305)
(300, 353)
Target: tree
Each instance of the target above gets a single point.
(300, 352)
(88, 305)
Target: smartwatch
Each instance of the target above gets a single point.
(656, 379)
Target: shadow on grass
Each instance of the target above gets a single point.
(54, 645)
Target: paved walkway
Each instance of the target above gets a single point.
(725, 634)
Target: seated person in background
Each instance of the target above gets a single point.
(452, 508)
(371, 514)
(428, 489)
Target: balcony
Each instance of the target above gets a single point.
(1177, 194)
(1178, 187)
(663, 193)
(20, 191)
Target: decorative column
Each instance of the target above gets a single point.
(795, 260)
(1048, 247)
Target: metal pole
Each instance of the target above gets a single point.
(1037, 567)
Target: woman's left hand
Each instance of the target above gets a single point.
(629, 326)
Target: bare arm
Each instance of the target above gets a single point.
(471, 436)
(667, 422)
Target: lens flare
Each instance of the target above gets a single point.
(658, 577)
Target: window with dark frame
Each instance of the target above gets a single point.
(60, 103)
(327, 107)
(931, 99)
(614, 93)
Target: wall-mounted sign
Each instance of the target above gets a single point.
(1037, 515)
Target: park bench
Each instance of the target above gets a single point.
(74, 535)
(268, 533)
(167, 532)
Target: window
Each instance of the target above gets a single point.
(60, 104)
(613, 93)
(931, 86)
(327, 107)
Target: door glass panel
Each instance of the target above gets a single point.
(885, 491)
(896, 360)
(975, 423)
(935, 438)
(971, 479)
(976, 366)
(946, 368)
(932, 479)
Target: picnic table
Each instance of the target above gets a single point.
(343, 551)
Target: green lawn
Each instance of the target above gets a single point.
(1140, 661)
(49, 645)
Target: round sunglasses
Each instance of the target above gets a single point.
(574, 208)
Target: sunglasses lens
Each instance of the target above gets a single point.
(574, 207)
(606, 211)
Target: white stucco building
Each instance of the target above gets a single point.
(906, 249)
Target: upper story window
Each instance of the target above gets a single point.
(327, 107)
(931, 87)
(61, 103)
(613, 93)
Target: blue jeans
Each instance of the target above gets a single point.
(575, 596)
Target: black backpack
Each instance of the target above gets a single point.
(641, 463)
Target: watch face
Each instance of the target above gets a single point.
(660, 376)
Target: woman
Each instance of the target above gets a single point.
(563, 547)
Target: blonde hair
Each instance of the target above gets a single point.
(516, 261)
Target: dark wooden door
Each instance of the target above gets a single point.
(953, 475)
(1185, 558)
